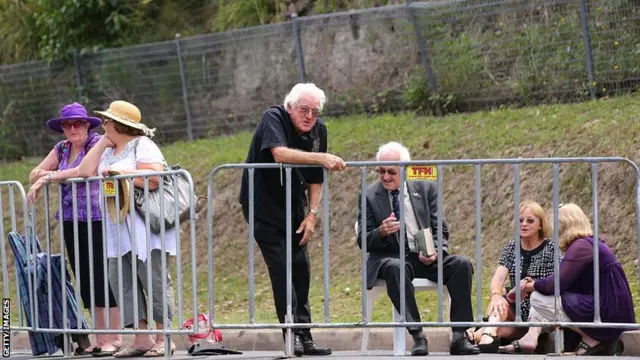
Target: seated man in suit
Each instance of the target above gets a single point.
(383, 245)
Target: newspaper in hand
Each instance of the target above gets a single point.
(424, 240)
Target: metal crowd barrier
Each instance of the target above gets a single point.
(29, 222)
(439, 164)
(30, 226)
(11, 187)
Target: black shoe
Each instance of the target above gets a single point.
(492, 347)
(310, 348)
(420, 347)
(298, 349)
(462, 346)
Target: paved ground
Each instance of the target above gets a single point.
(260, 355)
(258, 344)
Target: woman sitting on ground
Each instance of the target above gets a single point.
(536, 261)
(576, 289)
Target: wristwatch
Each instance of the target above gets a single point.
(314, 212)
(49, 178)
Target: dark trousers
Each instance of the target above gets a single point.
(85, 259)
(272, 243)
(457, 275)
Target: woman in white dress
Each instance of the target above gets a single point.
(128, 149)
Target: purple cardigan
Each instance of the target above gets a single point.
(62, 151)
(576, 288)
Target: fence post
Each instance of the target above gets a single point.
(299, 52)
(185, 93)
(584, 19)
(76, 64)
(424, 57)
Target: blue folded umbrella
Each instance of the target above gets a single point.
(45, 342)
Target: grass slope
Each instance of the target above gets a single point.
(600, 128)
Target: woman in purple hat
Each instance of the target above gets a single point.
(59, 165)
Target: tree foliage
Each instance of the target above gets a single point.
(51, 29)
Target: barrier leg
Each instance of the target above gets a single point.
(372, 295)
(399, 336)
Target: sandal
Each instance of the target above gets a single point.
(492, 347)
(590, 350)
(129, 352)
(80, 351)
(98, 352)
(517, 349)
(158, 352)
(470, 336)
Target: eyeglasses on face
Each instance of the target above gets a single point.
(528, 220)
(304, 110)
(382, 171)
(72, 124)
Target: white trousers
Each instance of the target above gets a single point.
(543, 309)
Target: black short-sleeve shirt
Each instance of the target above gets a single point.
(276, 129)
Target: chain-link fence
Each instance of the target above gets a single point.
(458, 55)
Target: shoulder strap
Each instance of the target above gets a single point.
(135, 149)
(135, 154)
(59, 147)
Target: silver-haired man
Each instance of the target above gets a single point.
(292, 133)
(383, 245)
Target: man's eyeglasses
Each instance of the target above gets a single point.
(528, 220)
(382, 171)
(76, 124)
(304, 110)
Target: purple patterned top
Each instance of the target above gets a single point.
(62, 150)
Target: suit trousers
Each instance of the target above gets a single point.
(272, 243)
(457, 275)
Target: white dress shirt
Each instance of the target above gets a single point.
(410, 221)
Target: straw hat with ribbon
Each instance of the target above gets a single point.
(124, 194)
(127, 114)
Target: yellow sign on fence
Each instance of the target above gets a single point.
(109, 188)
(422, 172)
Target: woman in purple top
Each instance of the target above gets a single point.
(60, 164)
(576, 289)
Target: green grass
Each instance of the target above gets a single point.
(606, 127)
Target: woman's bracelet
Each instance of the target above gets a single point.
(495, 293)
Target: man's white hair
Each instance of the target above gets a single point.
(304, 88)
(394, 148)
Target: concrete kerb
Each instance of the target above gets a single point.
(336, 339)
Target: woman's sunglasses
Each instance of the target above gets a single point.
(76, 124)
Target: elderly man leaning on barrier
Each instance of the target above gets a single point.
(383, 245)
(291, 134)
